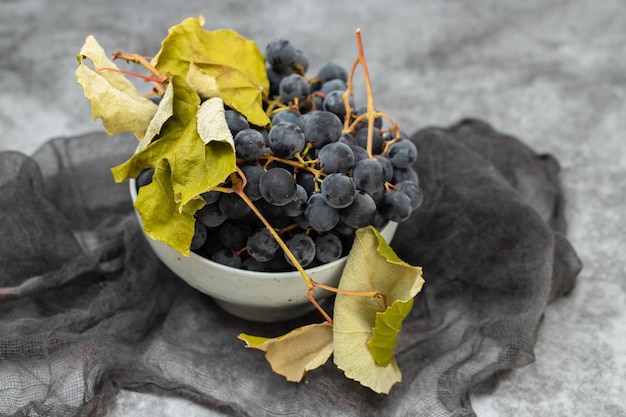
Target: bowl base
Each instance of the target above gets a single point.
(265, 314)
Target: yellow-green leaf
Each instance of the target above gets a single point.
(235, 62)
(163, 218)
(385, 332)
(113, 98)
(297, 352)
(372, 266)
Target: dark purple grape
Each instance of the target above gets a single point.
(278, 186)
(261, 245)
(360, 213)
(338, 190)
(227, 257)
(302, 247)
(328, 248)
(320, 216)
(396, 206)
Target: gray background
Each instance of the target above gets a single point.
(550, 72)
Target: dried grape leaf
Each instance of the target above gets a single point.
(297, 352)
(372, 266)
(165, 110)
(212, 124)
(113, 98)
(235, 62)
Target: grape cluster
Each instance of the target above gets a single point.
(310, 177)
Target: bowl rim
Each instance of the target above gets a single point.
(269, 275)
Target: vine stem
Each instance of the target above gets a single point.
(371, 113)
(160, 79)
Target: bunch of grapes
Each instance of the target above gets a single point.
(316, 175)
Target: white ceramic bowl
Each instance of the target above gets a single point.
(258, 296)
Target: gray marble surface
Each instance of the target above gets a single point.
(550, 72)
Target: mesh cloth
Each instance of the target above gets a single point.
(86, 309)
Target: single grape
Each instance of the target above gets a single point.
(405, 174)
(278, 263)
(269, 211)
(380, 220)
(322, 127)
(252, 264)
(347, 139)
(211, 197)
(234, 235)
(377, 140)
(368, 175)
(288, 116)
(336, 157)
(301, 63)
(236, 121)
(296, 207)
(360, 213)
(293, 86)
(402, 153)
(302, 247)
(320, 216)
(307, 180)
(333, 85)
(261, 245)
(210, 215)
(359, 153)
(227, 257)
(302, 222)
(333, 102)
(211, 245)
(262, 130)
(338, 190)
(275, 77)
(280, 54)
(233, 206)
(144, 178)
(253, 174)
(285, 139)
(344, 231)
(199, 236)
(328, 248)
(249, 144)
(278, 186)
(396, 206)
(378, 196)
(333, 71)
(414, 191)
(281, 221)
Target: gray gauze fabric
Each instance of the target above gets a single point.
(86, 309)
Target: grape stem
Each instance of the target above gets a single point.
(159, 79)
(371, 112)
